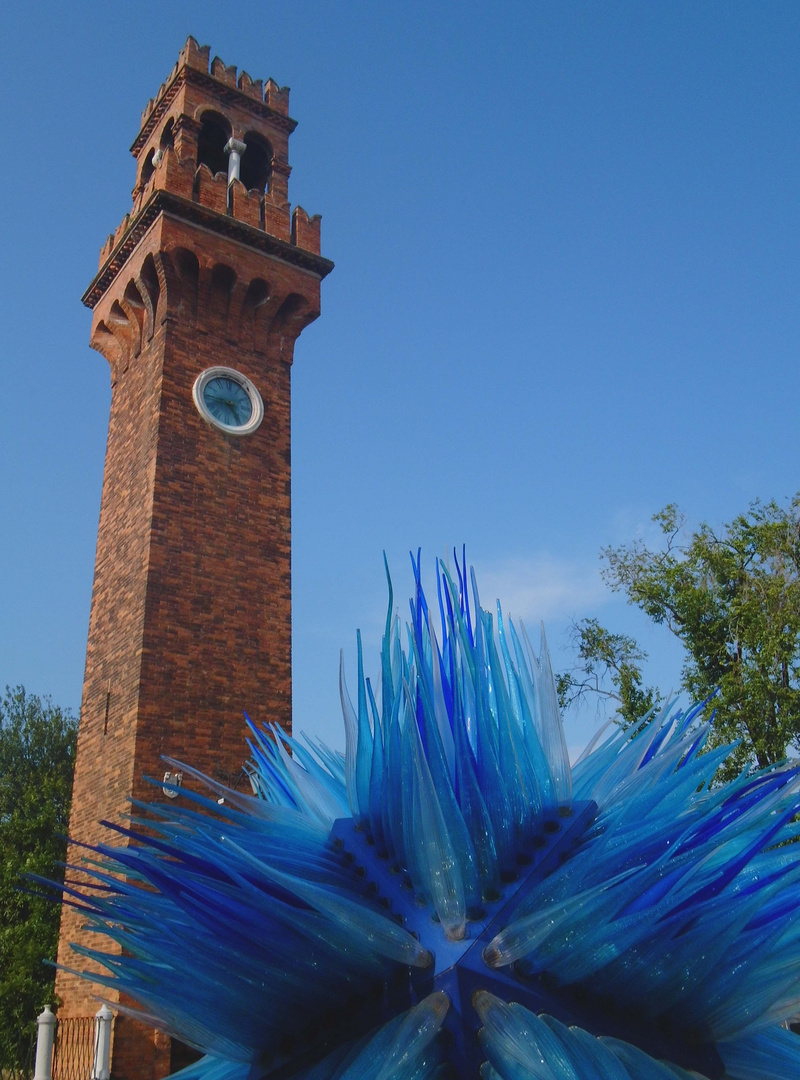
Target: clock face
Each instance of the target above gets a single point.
(228, 400)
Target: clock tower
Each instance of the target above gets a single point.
(200, 296)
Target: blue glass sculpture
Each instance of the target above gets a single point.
(451, 898)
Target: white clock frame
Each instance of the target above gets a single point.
(202, 381)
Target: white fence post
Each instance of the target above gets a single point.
(46, 1034)
(102, 1044)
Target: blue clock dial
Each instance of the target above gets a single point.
(228, 401)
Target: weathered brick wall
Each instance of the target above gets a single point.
(105, 763)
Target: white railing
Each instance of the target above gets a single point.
(70, 1069)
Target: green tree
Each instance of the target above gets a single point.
(608, 665)
(732, 598)
(37, 755)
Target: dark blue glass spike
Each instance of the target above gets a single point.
(87, 903)
(768, 778)
(442, 618)
(764, 883)
(376, 783)
(733, 808)
(736, 865)
(419, 713)
(777, 911)
(464, 594)
(689, 717)
(656, 745)
(51, 890)
(444, 672)
(476, 601)
(387, 686)
(451, 691)
(651, 896)
(465, 643)
(419, 607)
(393, 794)
(776, 1050)
(461, 581)
(448, 598)
(782, 775)
(130, 855)
(172, 851)
(273, 773)
(696, 746)
(364, 745)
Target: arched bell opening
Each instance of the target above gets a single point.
(255, 170)
(214, 134)
(148, 169)
(167, 140)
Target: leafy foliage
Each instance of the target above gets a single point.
(37, 754)
(609, 665)
(732, 597)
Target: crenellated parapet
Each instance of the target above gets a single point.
(213, 148)
(195, 58)
(306, 230)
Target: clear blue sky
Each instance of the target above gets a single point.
(566, 293)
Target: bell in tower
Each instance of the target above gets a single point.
(200, 296)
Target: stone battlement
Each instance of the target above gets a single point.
(196, 57)
(254, 208)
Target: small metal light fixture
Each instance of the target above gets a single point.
(175, 780)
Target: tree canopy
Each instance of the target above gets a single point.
(732, 598)
(37, 753)
(609, 665)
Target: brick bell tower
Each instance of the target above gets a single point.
(201, 294)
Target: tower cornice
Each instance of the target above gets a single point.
(168, 203)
